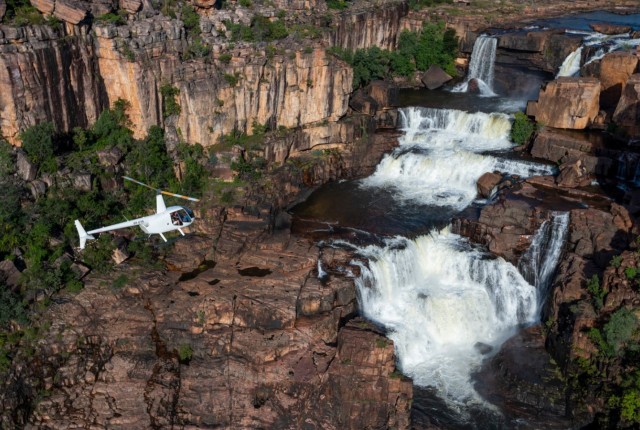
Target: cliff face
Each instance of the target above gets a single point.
(377, 27)
(48, 75)
(45, 77)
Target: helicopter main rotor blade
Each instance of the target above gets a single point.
(140, 183)
(167, 193)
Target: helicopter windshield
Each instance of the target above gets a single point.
(184, 215)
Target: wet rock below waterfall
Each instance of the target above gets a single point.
(525, 381)
(487, 183)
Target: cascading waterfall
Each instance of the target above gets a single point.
(439, 159)
(481, 66)
(571, 65)
(539, 263)
(445, 302)
(604, 43)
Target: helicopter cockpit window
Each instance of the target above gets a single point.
(175, 218)
(183, 215)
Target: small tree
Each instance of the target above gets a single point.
(522, 129)
(38, 143)
(169, 104)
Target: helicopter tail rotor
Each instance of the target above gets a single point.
(159, 191)
(83, 235)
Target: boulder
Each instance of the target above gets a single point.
(38, 189)
(25, 168)
(606, 28)
(615, 70)
(82, 182)
(120, 255)
(571, 103)
(573, 174)
(383, 92)
(131, 6)
(627, 113)
(71, 11)
(363, 103)
(10, 274)
(435, 77)
(109, 157)
(473, 86)
(101, 7)
(487, 183)
(204, 4)
(44, 6)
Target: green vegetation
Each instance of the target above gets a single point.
(169, 104)
(185, 352)
(631, 273)
(197, 49)
(381, 342)
(421, 4)
(120, 282)
(167, 8)
(225, 58)
(337, 4)
(522, 128)
(433, 45)
(190, 19)
(261, 29)
(21, 12)
(597, 292)
(620, 329)
(39, 144)
(232, 80)
(119, 18)
(616, 261)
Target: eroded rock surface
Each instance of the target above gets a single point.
(254, 340)
(567, 103)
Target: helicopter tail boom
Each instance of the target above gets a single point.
(83, 234)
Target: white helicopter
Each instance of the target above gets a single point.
(164, 220)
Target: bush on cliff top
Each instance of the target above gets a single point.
(434, 44)
(522, 129)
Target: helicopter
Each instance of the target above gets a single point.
(164, 220)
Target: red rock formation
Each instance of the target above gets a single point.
(606, 28)
(487, 182)
(615, 70)
(255, 340)
(627, 113)
(567, 103)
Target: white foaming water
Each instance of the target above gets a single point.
(440, 299)
(605, 44)
(440, 158)
(481, 66)
(538, 264)
(571, 65)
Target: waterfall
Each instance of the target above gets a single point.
(481, 66)
(444, 303)
(539, 263)
(571, 65)
(442, 155)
